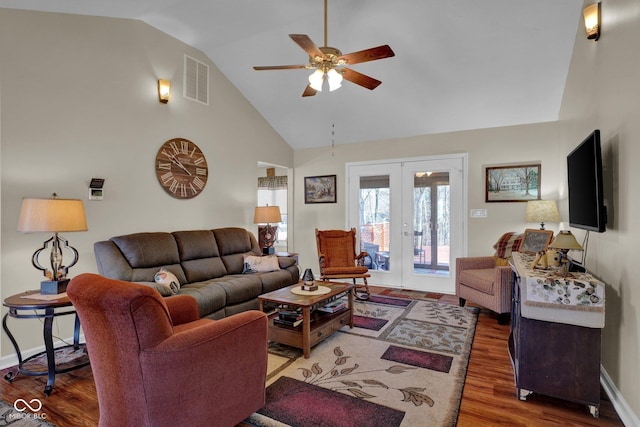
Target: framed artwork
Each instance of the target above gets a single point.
(535, 240)
(519, 183)
(320, 189)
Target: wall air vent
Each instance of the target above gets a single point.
(196, 80)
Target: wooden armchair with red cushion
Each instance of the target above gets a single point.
(338, 259)
(155, 363)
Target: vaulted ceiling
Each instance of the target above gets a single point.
(458, 64)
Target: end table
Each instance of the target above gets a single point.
(29, 305)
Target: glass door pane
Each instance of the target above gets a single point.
(431, 222)
(375, 216)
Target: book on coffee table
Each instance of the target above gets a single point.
(289, 323)
(333, 307)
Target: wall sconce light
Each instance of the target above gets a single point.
(592, 21)
(164, 90)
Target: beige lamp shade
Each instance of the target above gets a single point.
(267, 215)
(565, 241)
(52, 215)
(542, 211)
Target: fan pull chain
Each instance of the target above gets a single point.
(333, 140)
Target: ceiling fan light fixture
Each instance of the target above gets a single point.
(316, 79)
(335, 79)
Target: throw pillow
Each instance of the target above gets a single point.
(260, 264)
(507, 243)
(168, 280)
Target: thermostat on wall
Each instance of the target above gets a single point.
(95, 188)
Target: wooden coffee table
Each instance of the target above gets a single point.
(316, 325)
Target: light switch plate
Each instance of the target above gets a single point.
(478, 213)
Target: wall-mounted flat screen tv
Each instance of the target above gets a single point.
(586, 200)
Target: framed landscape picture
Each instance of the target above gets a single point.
(535, 240)
(320, 189)
(519, 183)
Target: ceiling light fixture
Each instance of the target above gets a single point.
(592, 21)
(333, 77)
(316, 79)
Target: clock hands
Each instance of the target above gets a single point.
(180, 165)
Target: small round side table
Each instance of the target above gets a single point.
(27, 305)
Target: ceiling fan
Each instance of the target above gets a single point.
(330, 64)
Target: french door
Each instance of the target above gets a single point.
(410, 217)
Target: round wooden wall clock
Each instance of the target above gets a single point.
(181, 168)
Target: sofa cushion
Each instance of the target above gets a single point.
(232, 240)
(260, 264)
(210, 296)
(199, 254)
(479, 279)
(148, 249)
(240, 287)
(275, 280)
(196, 244)
(234, 243)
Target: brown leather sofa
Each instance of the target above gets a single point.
(207, 263)
(155, 363)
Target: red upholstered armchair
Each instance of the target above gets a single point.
(155, 363)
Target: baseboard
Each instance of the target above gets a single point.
(626, 414)
(12, 359)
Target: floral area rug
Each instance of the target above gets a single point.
(403, 364)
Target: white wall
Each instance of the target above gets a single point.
(78, 100)
(508, 145)
(602, 92)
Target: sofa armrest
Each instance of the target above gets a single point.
(110, 261)
(182, 309)
(286, 261)
(474, 263)
(504, 278)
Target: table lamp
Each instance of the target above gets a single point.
(542, 211)
(564, 242)
(55, 216)
(267, 234)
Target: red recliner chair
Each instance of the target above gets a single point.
(155, 363)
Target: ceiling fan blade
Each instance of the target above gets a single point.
(307, 44)
(360, 79)
(279, 67)
(309, 91)
(366, 55)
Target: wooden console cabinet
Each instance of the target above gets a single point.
(556, 359)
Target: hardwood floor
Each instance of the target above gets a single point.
(489, 397)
